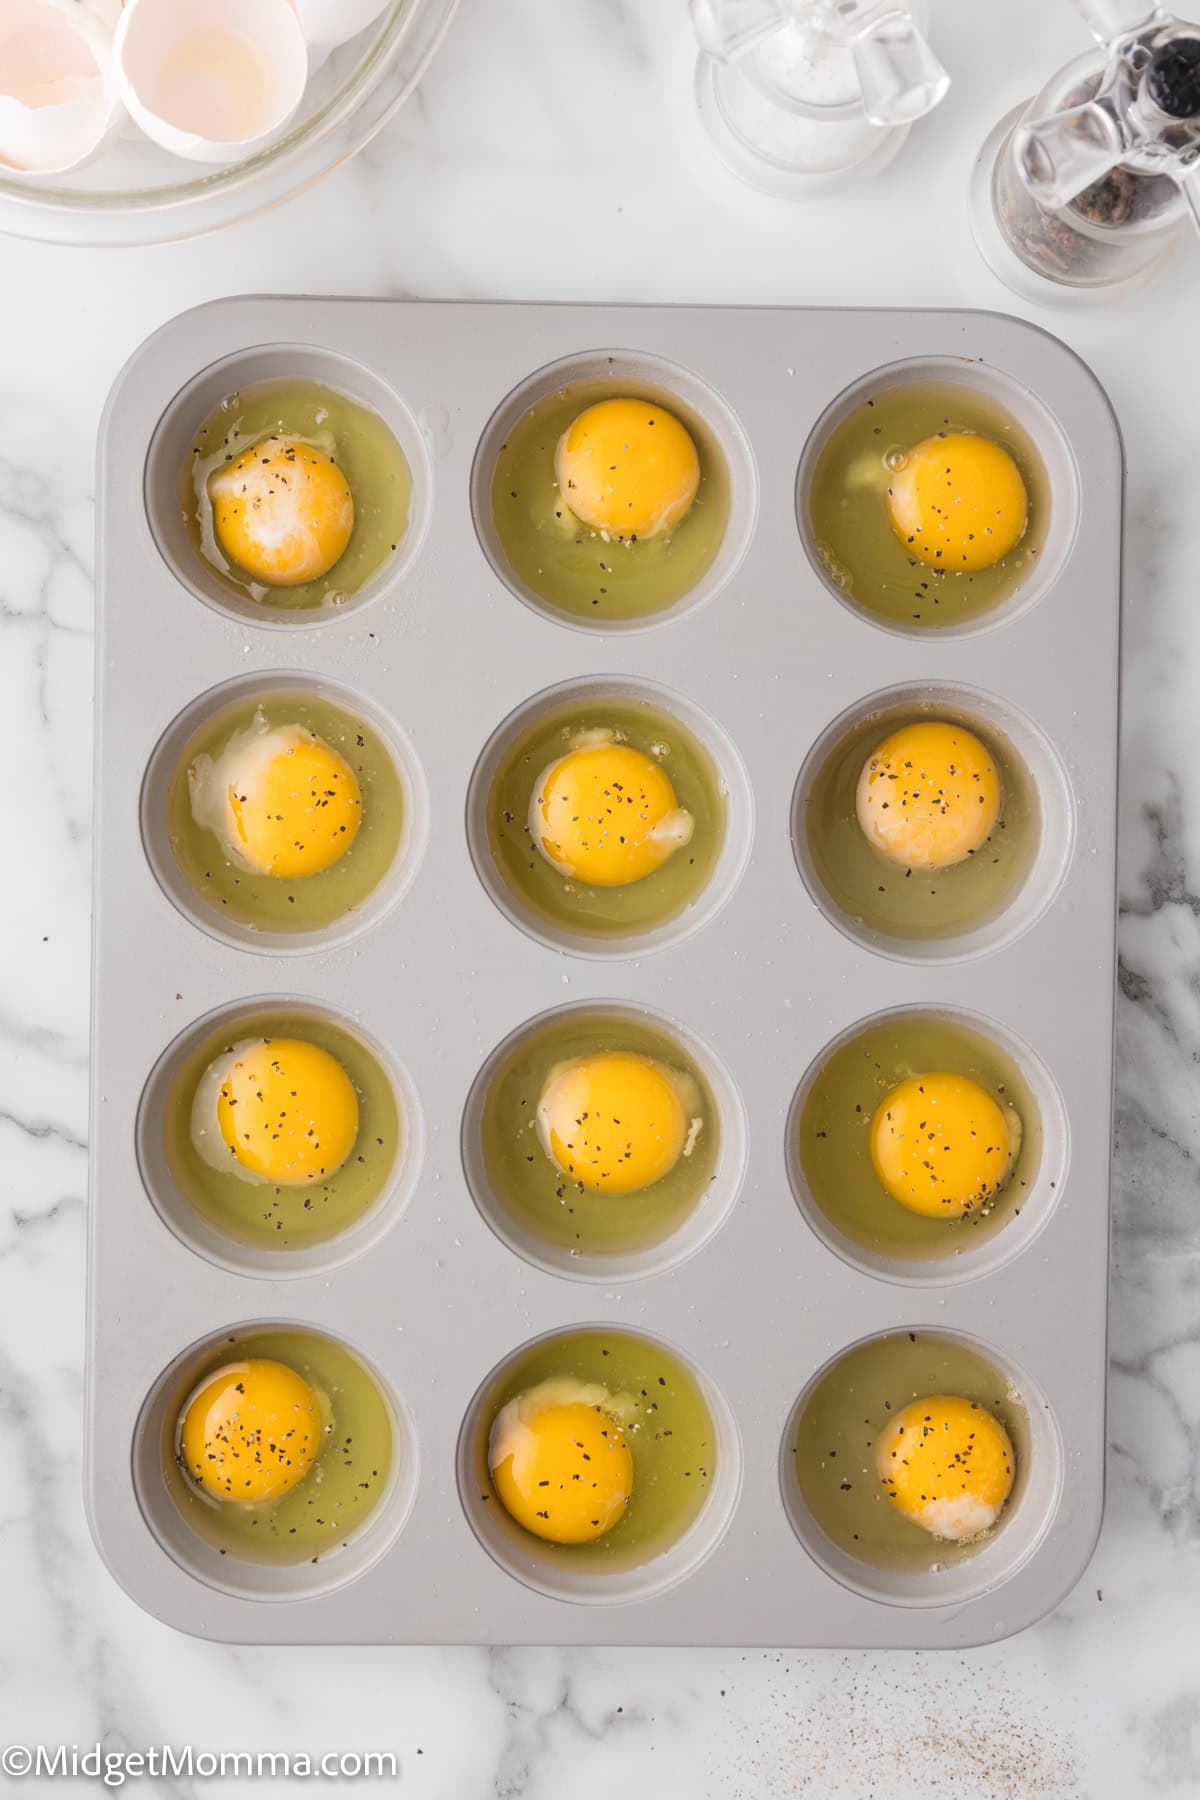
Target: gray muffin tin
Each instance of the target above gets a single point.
(432, 1297)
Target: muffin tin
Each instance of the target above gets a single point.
(761, 976)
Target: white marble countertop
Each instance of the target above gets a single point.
(546, 157)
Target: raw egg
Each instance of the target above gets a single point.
(928, 795)
(275, 1110)
(279, 799)
(928, 503)
(957, 501)
(282, 512)
(607, 508)
(628, 468)
(606, 813)
(941, 1145)
(560, 1460)
(615, 1122)
(251, 1431)
(947, 1465)
(294, 495)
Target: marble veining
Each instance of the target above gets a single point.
(549, 155)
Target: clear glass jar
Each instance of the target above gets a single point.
(1112, 237)
(786, 105)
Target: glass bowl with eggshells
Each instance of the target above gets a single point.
(139, 121)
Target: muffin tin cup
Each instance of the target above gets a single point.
(168, 758)
(199, 398)
(1040, 771)
(593, 1581)
(1022, 1526)
(205, 1238)
(711, 1207)
(1021, 1223)
(235, 1576)
(732, 783)
(1035, 418)
(439, 974)
(695, 403)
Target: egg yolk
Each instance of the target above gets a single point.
(251, 1431)
(564, 1472)
(928, 796)
(947, 1464)
(940, 1145)
(614, 1122)
(288, 1111)
(627, 468)
(607, 814)
(282, 512)
(296, 811)
(958, 502)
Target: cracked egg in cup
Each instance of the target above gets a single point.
(295, 495)
(275, 1133)
(909, 1454)
(609, 503)
(925, 1143)
(926, 504)
(290, 812)
(595, 1464)
(920, 821)
(601, 819)
(603, 1141)
(282, 1447)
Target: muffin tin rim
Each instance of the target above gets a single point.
(841, 1565)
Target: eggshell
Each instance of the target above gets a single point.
(329, 22)
(58, 94)
(210, 80)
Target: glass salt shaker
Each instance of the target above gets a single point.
(798, 93)
(1086, 192)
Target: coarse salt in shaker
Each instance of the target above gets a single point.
(796, 93)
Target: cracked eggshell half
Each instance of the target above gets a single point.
(58, 90)
(210, 80)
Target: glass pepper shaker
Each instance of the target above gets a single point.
(1086, 192)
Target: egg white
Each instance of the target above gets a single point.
(513, 1421)
(237, 769)
(207, 1139)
